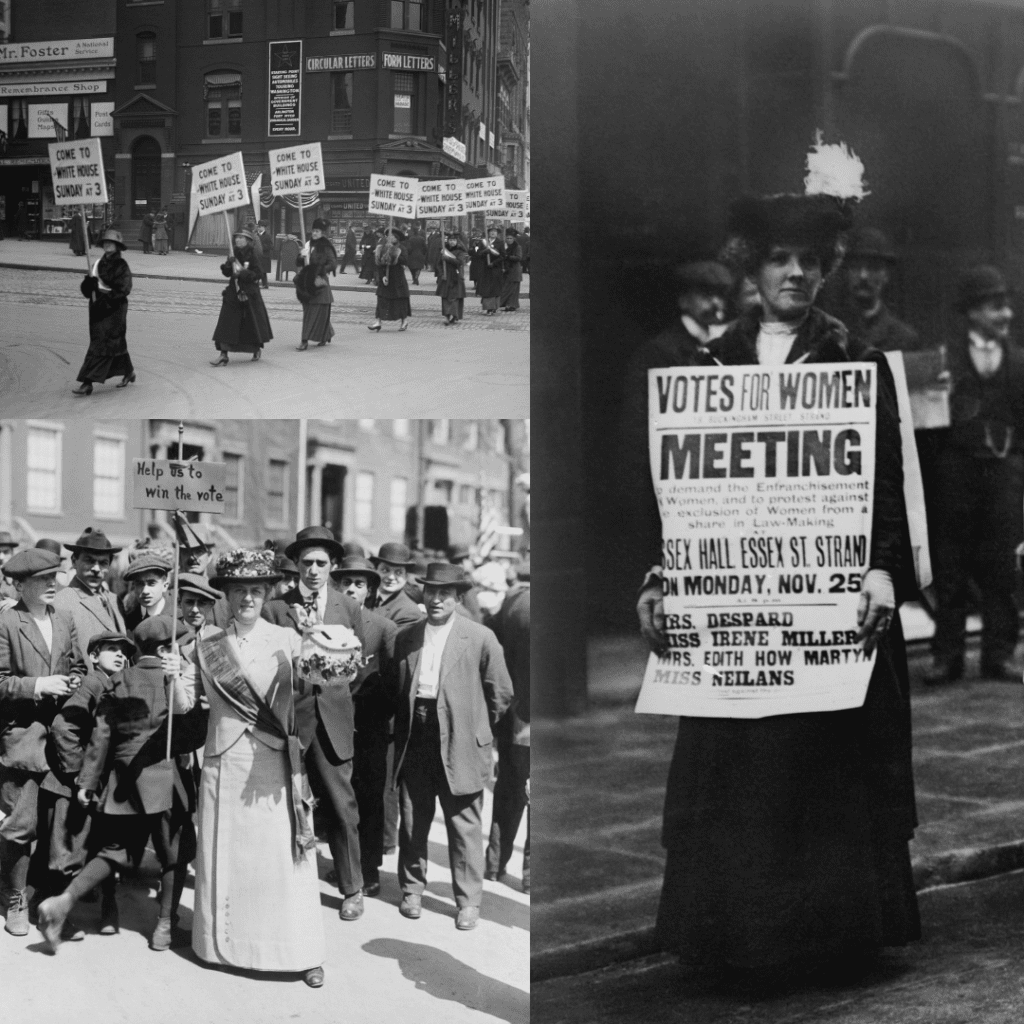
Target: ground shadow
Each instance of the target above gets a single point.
(442, 976)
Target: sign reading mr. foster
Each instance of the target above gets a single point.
(765, 483)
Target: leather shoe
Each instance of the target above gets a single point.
(352, 907)
(371, 889)
(411, 906)
(161, 937)
(17, 912)
(467, 918)
(945, 672)
(314, 978)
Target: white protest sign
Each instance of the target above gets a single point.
(178, 486)
(765, 481)
(297, 169)
(517, 204)
(485, 195)
(393, 196)
(444, 198)
(77, 170)
(219, 185)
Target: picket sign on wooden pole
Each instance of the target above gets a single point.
(174, 600)
(85, 228)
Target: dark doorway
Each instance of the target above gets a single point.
(145, 175)
(332, 499)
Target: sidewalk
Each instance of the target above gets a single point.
(603, 783)
(180, 266)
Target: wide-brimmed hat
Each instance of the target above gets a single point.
(245, 565)
(245, 232)
(764, 221)
(158, 629)
(978, 284)
(30, 563)
(867, 243)
(511, 231)
(707, 276)
(110, 637)
(314, 537)
(353, 564)
(352, 547)
(321, 225)
(397, 232)
(93, 540)
(147, 563)
(193, 583)
(115, 236)
(394, 553)
(284, 565)
(457, 552)
(7, 541)
(444, 574)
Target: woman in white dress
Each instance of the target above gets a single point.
(257, 904)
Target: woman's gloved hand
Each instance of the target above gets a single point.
(876, 608)
(650, 610)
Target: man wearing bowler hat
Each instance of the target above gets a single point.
(329, 758)
(980, 480)
(393, 562)
(357, 578)
(452, 687)
(86, 598)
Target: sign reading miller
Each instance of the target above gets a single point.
(285, 105)
(57, 49)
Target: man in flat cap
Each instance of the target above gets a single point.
(40, 664)
(867, 266)
(149, 576)
(980, 480)
(393, 562)
(87, 598)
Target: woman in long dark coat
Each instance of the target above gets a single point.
(451, 282)
(367, 266)
(416, 249)
(392, 287)
(107, 287)
(513, 271)
(319, 259)
(243, 325)
(492, 271)
(787, 836)
(79, 238)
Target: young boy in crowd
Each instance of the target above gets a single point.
(138, 792)
(149, 579)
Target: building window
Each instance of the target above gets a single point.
(440, 431)
(443, 492)
(145, 48)
(277, 492)
(407, 14)
(44, 467)
(405, 88)
(498, 438)
(224, 18)
(78, 121)
(234, 488)
(364, 501)
(223, 91)
(400, 428)
(19, 119)
(108, 477)
(341, 113)
(472, 438)
(367, 425)
(399, 499)
(467, 494)
(344, 16)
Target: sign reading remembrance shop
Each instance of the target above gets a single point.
(765, 478)
(285, 83)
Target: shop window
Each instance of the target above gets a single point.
(108, 477)
(44, 469)
(399, 498)
(344, 16)
(341, 113)
(407, 14)
(223, 92)
(224, 18)
(364, 501)
(19, 120)
(405, 86)
(78, 122)
(145, 48)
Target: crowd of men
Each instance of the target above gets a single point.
(971, 453)
(445, 649)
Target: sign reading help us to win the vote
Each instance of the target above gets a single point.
(77, 170)
(297, 169)
(765, 483)
(178, 486)
(219, 185)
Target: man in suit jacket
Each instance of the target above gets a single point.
(86, 598)
(393, 562)
(39, 666)
(149, 576)
(451, 687)
(329, 758)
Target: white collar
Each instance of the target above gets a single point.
(980, 341)
(699, 331)
(438, 631)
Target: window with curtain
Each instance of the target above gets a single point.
(108, 477)
(399, 504)
(341, 113)
(364, 501)
(223, 92)
(405, 89)
(145, 48)
(43, 489)
(344, 16)
(224, 18)
(78, 121)
(19, 119)
(408, 14)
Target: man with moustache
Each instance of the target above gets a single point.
(980, 478)
(330, 754)
(87, 598)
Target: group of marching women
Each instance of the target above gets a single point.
(494, 261)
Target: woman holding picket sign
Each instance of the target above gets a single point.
(317, 259)
(243, 325)
(392, 287)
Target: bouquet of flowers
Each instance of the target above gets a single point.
(331, 655)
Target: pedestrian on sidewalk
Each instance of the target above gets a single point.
(513, 272)
(317, 259)
(469, 691)
(392, 287)
(416, 252)
(451, 280)
(266, 244)
(243, 324)
(146, 232)
(160, 233)
(21, 221)
(107, 287)
(492, 270)
(368, 266)
(435, 243)
(79, 238)
(525, 242)
(349, 252)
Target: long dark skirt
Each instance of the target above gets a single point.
(368, 271)
(452, 307)
(393, 309)
(242, 326)
(316, 322)
(510, 294)
(489, 302)
(108, 345)
(787, 837)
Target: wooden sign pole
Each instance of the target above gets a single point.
(174, 603)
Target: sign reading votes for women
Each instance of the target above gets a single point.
(77, 171)
(298, 169)
(764, 477)
(220, 185)
(178, 486)
(395, 197)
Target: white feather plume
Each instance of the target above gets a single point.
(834, 170)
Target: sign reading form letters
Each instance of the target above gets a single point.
(178, 486)
(765, 482)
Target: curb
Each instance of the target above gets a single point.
(937, 869)
(365, 290)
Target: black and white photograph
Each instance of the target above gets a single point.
(780, 478)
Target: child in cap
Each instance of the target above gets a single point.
(149, 579)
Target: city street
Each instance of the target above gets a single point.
(379, 968)
(479, 367)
